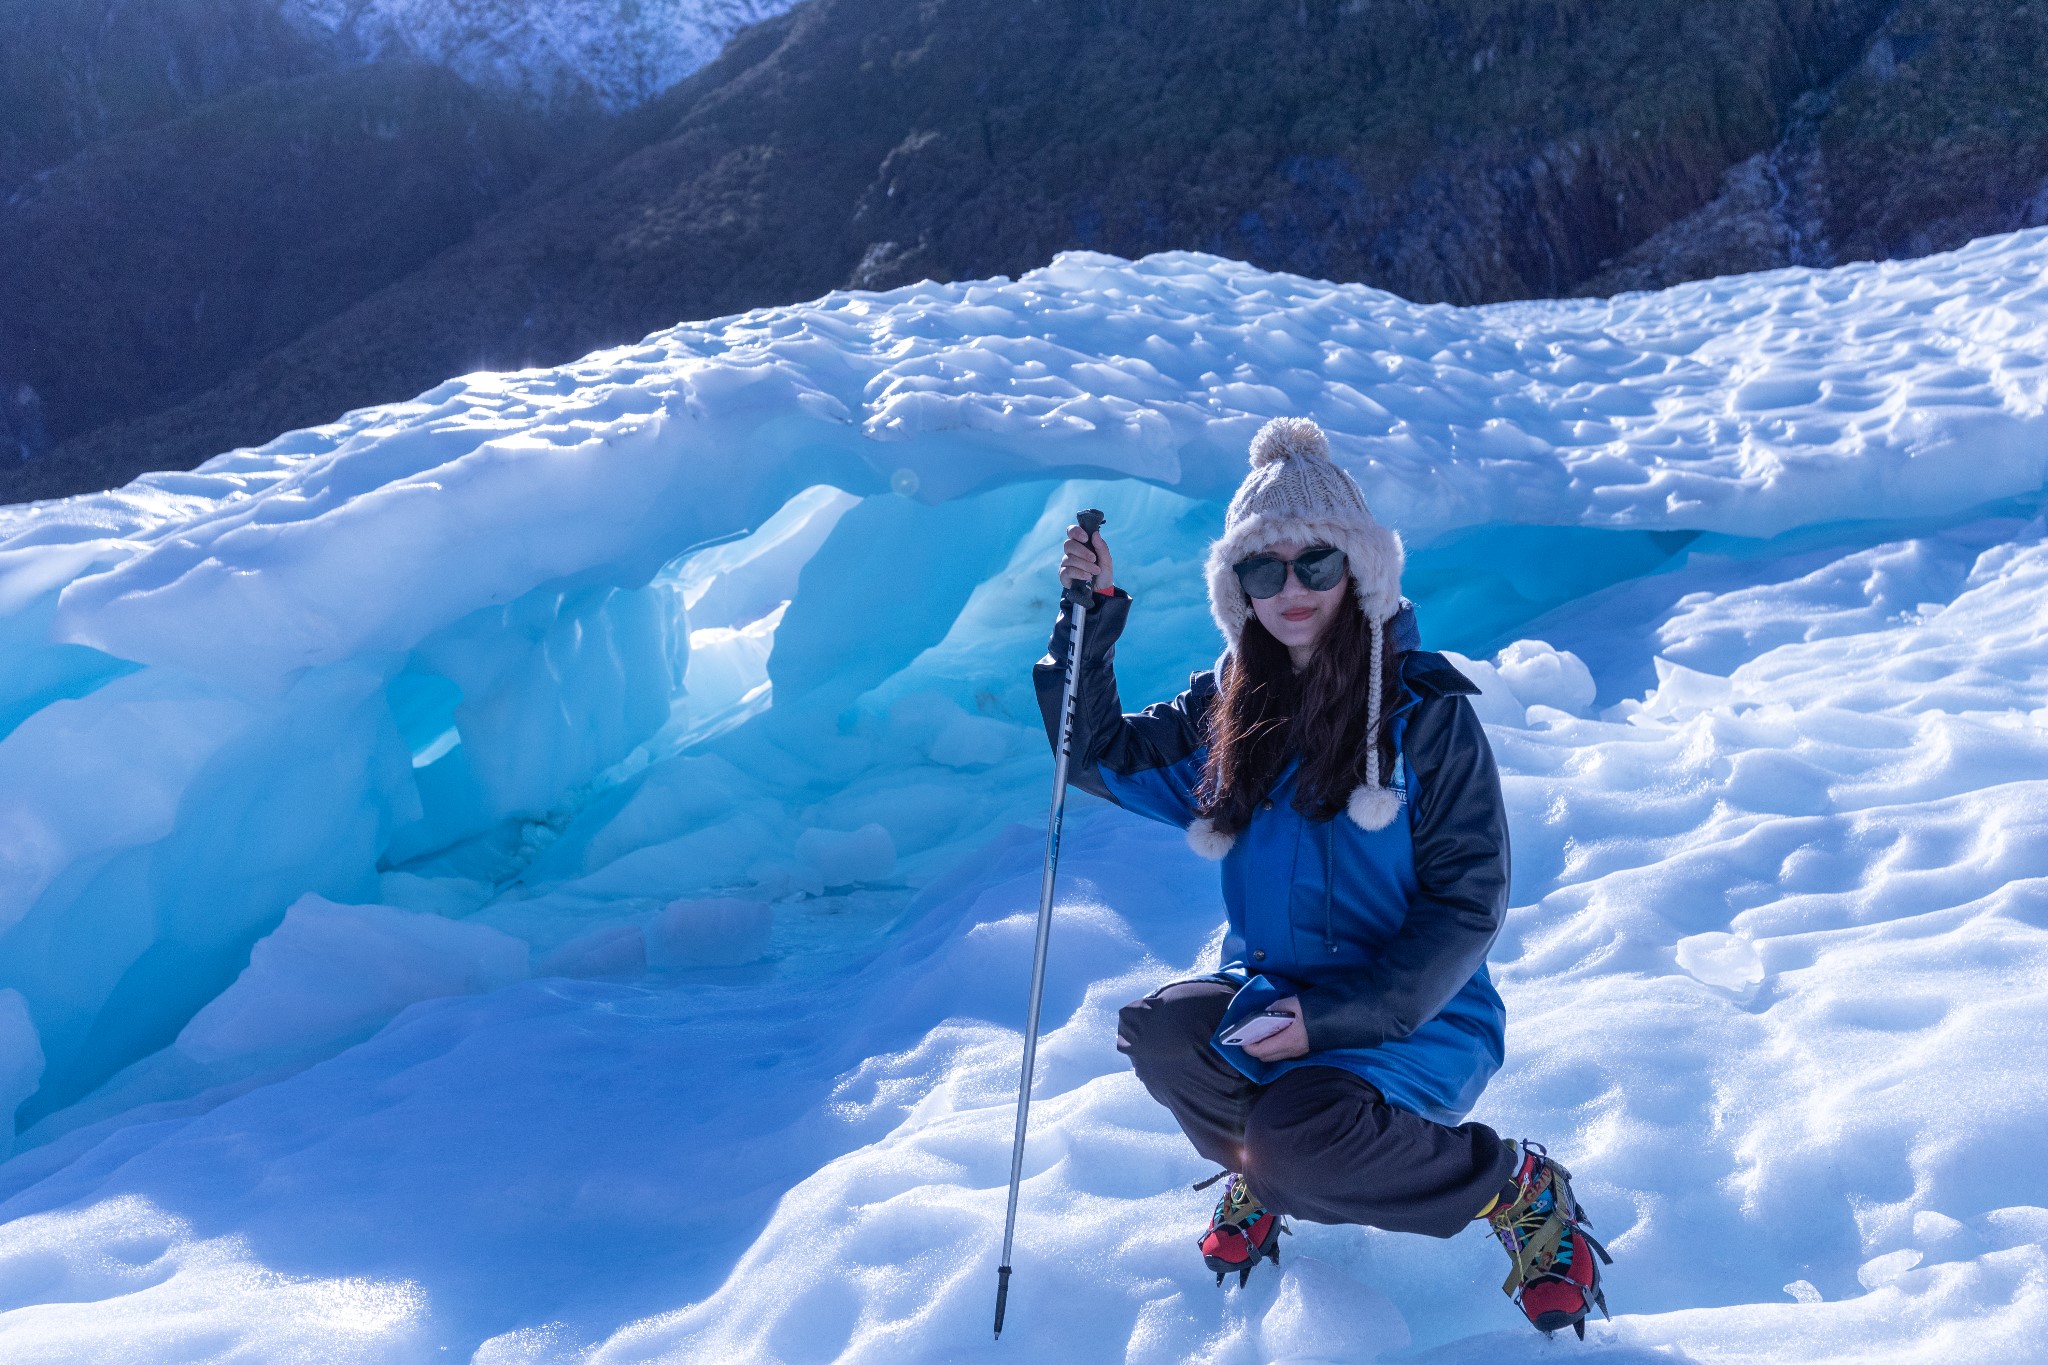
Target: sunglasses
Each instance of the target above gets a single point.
(1318, 570)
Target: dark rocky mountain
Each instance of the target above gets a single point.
(1487, 150)
(187, 185)
(151, 283)
(1937, 135)
(75, 71)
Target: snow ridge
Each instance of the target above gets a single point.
(565, 53)
(580, 808)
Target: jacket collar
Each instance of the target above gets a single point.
(1407, 635)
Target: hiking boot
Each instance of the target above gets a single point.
(1555, 1278)
(1241, 1232)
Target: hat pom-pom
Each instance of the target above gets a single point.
(1209, 841)
(1373, 807)
(1289, 438)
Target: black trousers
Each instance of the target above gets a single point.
(1320, 1143)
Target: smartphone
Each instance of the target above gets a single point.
(1251, 1029)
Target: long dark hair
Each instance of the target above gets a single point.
(1264, 710)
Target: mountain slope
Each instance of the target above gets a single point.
(555, 52)
(186, 187)
(75, 71)
(1459, 153)
(1484, 152)
(319, 191)
(1939, 134)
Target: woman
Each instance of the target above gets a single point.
(1340, 776)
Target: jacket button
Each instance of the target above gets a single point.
(1267, 804)
(1259, 953)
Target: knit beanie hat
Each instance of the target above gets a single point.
(1295, 492)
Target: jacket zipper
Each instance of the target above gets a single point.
(1400, 781)
(1329, 881)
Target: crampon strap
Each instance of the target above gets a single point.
(1533, 1239)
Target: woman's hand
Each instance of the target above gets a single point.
(1083, 560)
(1289, 1042)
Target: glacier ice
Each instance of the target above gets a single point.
(717, 932)
(1543, 675)
(332, 973)
(451, 857)
(21, 1060)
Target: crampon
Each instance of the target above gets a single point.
(1555, 1278)
(1241, 1232)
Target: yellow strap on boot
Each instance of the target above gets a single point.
(1536, 1254)
(1240, 1205)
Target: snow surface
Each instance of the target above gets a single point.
(612, 53)
(545, 872)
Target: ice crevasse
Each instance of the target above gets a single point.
(452, 858)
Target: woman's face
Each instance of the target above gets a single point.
(1295, 616)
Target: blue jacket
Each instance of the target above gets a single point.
(1383, 933)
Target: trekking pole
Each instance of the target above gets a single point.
(1079, 596)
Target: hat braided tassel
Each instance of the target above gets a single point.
(1373, 806)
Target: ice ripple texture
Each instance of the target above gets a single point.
(462, 899)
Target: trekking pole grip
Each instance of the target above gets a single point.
(1081, 592)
